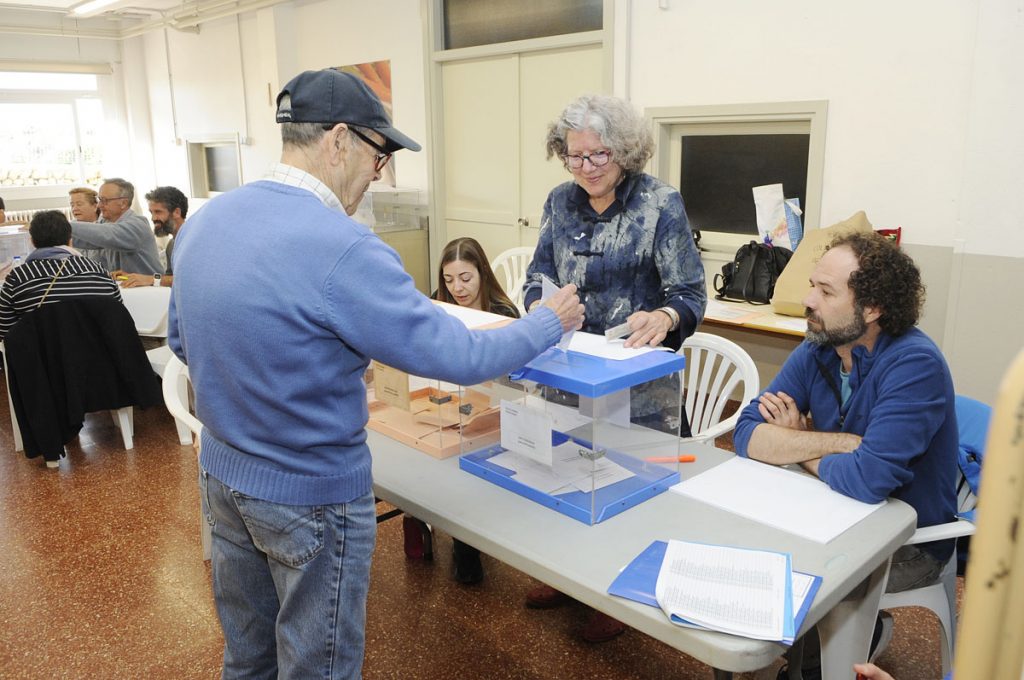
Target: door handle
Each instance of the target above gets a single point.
(524, 222)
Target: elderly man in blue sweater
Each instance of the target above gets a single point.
(866, 403)
(277, 312)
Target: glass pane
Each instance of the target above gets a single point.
(91, 125)
(485, 22)
(37, 144)
(12, 80)
(222, 167)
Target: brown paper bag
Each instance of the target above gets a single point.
(792, 286)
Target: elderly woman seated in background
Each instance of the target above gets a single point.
(85, 205)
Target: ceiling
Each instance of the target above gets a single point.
(119, 20)
(64, 6)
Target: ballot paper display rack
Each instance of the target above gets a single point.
(587, 436)
(438, 418)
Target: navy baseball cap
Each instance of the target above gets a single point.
(333, 96)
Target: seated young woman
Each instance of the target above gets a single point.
(464, 278)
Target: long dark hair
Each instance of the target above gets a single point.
(492, 295)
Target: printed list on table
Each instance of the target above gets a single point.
(733, 590)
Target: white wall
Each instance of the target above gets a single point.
(225, 78)
(897, 77)
(339, 32)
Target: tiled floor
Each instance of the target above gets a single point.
(101, 577)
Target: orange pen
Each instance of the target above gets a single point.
(671, 459)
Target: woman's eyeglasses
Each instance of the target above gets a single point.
(596, 158)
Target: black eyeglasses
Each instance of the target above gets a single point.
(596, 158)
(381, 159)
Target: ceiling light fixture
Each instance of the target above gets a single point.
(92, 7)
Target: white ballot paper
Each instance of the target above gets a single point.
(569, 471)
(733, 590)
(547, 289)
(526, 431)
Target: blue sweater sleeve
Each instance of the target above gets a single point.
(373, 305)
(908, 412)
(794, 379)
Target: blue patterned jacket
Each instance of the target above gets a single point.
(636, 256)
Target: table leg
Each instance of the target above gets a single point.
(846, 630)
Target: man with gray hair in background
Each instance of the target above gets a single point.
(121, 239)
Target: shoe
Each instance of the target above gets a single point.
(807, 673)
(882, 636)
(419, 543)
(545, 597)
(468, 570)
(54, 464)
(602, 628)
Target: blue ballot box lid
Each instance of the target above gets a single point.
(591, 376)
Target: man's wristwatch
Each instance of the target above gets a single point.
(156, 280)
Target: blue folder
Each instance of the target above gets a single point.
(638, 580)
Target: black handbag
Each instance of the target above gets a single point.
(752, 274)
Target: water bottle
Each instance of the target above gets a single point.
(16, 262)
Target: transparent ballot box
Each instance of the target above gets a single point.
(588, 436)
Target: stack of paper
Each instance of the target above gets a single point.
(743, 592)
(794, 502)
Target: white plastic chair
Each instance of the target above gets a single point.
(510, 269)
(940, 597)
(158, 359)
(175, 387)
(714, 368)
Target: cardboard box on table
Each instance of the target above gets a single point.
(611, 425)
(792, 286)
(441, 419)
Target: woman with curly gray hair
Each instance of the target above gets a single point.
(623, 238)
(616, 232)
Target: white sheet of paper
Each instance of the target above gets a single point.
(531, 473)
(604, 473)
(527, 431)
(599, 346)
(729, 589)
(791, 324)
(784, 499)
(472, 318)
(717, 309)
(547, 289)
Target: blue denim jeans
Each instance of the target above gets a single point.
(290, 583)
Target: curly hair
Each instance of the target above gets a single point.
(886, 278)
(619, 126)
(171, 198)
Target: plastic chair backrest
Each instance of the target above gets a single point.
(510, 269)
(972, 419)
(714, 368)
(176, 378)
(992, 622)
